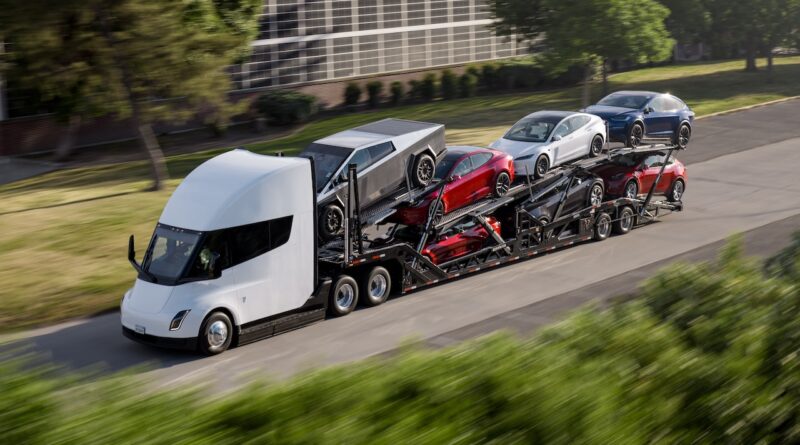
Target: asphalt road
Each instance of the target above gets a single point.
(742, 178)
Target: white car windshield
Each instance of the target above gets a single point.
(532, 129)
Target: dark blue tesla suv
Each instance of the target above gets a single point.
(637, 116)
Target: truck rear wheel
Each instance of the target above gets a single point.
(344, 296)
(624, 222)
(376, 286)
(602, 226)
(215, 334)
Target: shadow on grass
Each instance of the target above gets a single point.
(66, 203)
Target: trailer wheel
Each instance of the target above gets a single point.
(675, 193)
(215, 334)
(331, 221)
(624, 222)
(602, 226)
(424, 168)
(344, 296)
(376, 287)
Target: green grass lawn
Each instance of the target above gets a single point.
(63, 236)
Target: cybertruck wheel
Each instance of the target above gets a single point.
(597, 146)
(602, 226)
(331, 221)
(215, 334)
(675, 193)
(502, 184)
(635, 135)
(682, 136)
(376, 287)
(424, 167)
(624, 222)
(344, 296)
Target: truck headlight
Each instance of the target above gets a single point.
(177, 320)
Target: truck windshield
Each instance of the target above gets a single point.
(327, 160)
(169, 253)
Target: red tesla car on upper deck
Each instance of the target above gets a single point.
(476, 173)
(632, 174)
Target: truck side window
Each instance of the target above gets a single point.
(380, 151)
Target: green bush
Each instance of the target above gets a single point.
(286, 107)
(414, 90)
(397, 92)
(467, 85)
(428, 87)
(374, 90)
(352, 94)
(448, 82)
(708, 354)
(489, 76)
(475, 70)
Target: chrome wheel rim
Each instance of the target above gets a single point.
(677, 191)
(626, 221)
(425, 171)
(630, 190)
(683, 136)
(377, 287)
(604, 225)
(596, 197)
(636, 135)
(217, 334)
(541, 166)
(597, 145)
(345, 296)
(503, 184)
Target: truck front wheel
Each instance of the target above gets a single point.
(344, 296)
(215, 334)
(376, 287)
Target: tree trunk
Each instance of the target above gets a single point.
(587, 86)
(750, 52)
(67, 142)
(149, 143)
(770, 78)
(605, 77)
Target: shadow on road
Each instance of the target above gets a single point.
(94, 345)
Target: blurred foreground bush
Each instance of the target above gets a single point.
(708, 354)
(286, 107)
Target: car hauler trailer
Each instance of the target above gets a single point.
(235, 256)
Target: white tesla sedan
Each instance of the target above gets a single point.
(546, 139)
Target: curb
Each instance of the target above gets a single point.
(748, 107)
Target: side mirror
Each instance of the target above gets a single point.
(648, 110)
(131, 251)
(557, 138)
(453, 178)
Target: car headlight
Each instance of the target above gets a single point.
(177, 320)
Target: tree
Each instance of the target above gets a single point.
(144, 60)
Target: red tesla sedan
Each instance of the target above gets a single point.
(632, 174)
(459, 241)
(476, 173)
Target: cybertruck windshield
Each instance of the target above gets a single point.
(170, 252)
(327, 160)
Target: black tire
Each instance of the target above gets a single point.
(597, 146)
(215, 334)
(546, 234)
(424, 168)
(542, 166)
(683, 135)
(331, 221)
(625, 221)
(344, 296)
(595, 195)
(437, 212)
(635, 135)
(631, 189)
(602, 226)
(376, 287)
(502, 184)
(677, 190)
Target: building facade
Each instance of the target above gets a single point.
(309, 41)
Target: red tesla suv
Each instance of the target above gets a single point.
(476, 173)
(460, 240)
(632, 174)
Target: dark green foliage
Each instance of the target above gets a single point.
(396, 89)
(374, 90)
(286, 107)
(467, 85)
(448, 83)
(428, 87)
(352, 94)
(708, 354)
(475, 70)
(786, 265)
(489, 76)
(524, 73)
(414, 90)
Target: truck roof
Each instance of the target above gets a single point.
(237, 188)
(375, 132)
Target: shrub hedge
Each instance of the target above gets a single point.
(397, 91)
(352, 94)
(374, 90)
(286, 107)
(708, 354)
